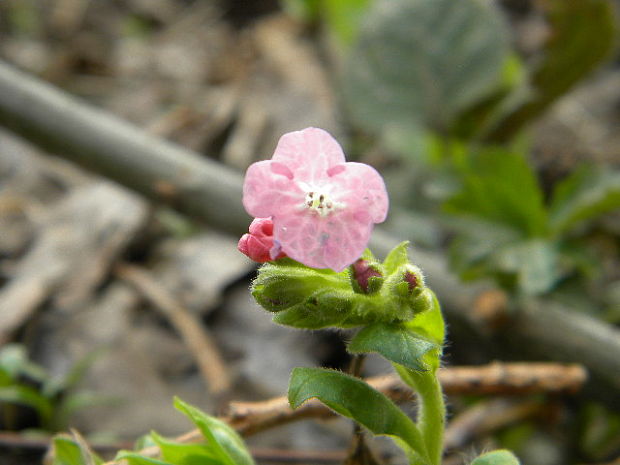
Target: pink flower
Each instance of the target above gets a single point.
(259, 244)
(323, 209)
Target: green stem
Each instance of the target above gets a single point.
(432, 411)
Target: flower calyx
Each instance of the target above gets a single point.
(368, 292)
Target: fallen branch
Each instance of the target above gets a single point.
(207, 190)
(196, 337)
(496, 378)
(249, 418)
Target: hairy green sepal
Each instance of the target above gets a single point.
(309, 298)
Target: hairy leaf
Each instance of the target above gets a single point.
(429, 324)
(353, 398)
(394, 342)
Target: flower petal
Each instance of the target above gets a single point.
(362, 189)
(332, 242)
(267, 190)
(309, 153)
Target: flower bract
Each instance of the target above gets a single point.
(323, 208)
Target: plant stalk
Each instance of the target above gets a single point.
(431, 419)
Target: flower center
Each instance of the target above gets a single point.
(320, 202)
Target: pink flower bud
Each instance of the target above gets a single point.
(259, 244)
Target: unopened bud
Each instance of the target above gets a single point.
(366, 278)
(259, 244)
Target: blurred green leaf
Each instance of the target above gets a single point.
(423, 61)
(483, 115)
(133, 458)
(223, 441)
(394, 342)
(582, 35)
(344, 17)
(496, 457)
(477, 240)
(500, 186)
(587, 193)
(535, 264)
(185, 454)
(397, 257)
(67, 451)
(353, 398)
(304, 10)
(54, 386)
(15, 363)
(26, 395)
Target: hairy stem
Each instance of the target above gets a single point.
(432, 411)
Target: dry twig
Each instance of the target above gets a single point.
(252, 417)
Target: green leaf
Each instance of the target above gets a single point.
(344, 17)
(14, 361)
(483, 115)
(353, 398)
(395, 342)
(584, 195)
(224, 441)
(423, 61)
(535, 264)
(67, 451)
(496, 457)
(429, 324)
(500, 186)
(582, 35)
(185, 454)
(75, 374)
(25, 395)
(134, 458)
(396, 258)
